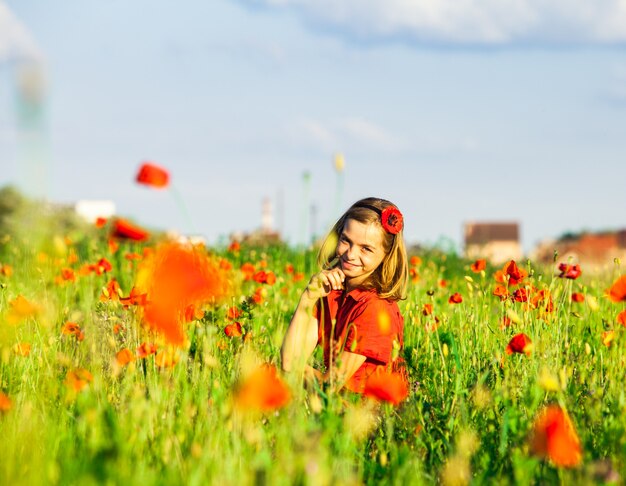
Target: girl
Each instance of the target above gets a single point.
(350, 307)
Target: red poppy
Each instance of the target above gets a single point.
(478, 266)
(501, 291)
(415, 276)
(102, 266)
(516, 275)
(233, 330)
(100, 222)
(578, 297)
(617, 292)
(520, 295)
(5, 403)
(621, 318)
(233, 313)
(554, 437)
(234, 247)
(136, 297)
(289, 268)
(259, 295)
(67, 275)
(608, 337)
(520, 343)
(78, 379)
(263, 390)
(73, 329)
(248, 271)
(455, 298)
(543, 298)
(153, 175)
(415, 261)
(22, 349)
(569, 271)
(387, 387)
(146, 349)
(392, 220)
(260, 276)
(427, 309)
(176, 277)
(124, 356)
(193, 313)
(125, 230)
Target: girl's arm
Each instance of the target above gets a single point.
(301, 337)
(347, 364)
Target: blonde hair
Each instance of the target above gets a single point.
(391, 277)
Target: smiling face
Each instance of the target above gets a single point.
(360, 250)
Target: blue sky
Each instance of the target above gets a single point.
(483, 111)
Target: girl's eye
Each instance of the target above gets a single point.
(367, 249)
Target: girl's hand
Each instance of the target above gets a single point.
(322, 283)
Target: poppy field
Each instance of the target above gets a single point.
(130, 359)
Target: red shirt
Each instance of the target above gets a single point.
(363, 324)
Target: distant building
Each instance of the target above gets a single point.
(497, 242)
(91, 210)
(590, 249)
(265, 235)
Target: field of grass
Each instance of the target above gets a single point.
(90, 395)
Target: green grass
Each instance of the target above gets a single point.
(468, 416)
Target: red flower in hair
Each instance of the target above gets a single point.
(153, 175)
(392, 220)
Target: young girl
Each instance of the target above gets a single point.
(350, 307)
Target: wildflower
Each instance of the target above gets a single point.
(520, 295)
(259, 295)
(511, 274)
(73, 329)
(617, 292)
(5, 403)
(233, 313)
(263, 390)
(621, 318)
(520, 343)
(22, 349)
(111, 291)
(20, 309)
(6, 270)
(125, 230)
(569, 271)
(248, 271)
(233, 330)
(455, 298)
(78, 379)
(146, 349)
(100, 222)
(152, 175)
(193, 313)
(234, 247)
(415, 261)
(478, 266)
(427, 309)
(124, 356)
(607, 338)
(136, 297)
(67, 275)
(554, 437)
(387, 387)
(102, 266)
(501, 291)
(414, 274)
(578, 297)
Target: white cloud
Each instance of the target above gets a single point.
(467, 22)
(344, 133)
(15, 41)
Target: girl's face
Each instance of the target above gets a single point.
(360, 250)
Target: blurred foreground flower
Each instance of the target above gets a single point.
(76, 380)
(5, 403)
(617, 292)
(262, 390)
(152, 175)
(125, 230)
(554, 437)
(20, 309)
(386, 387)
(174, 278)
